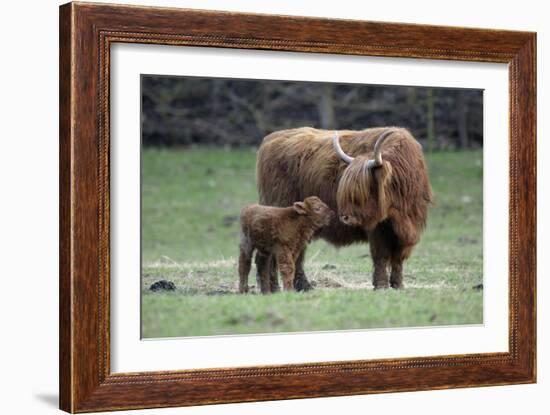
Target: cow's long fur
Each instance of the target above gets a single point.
(390, 202)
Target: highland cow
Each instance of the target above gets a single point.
(281, 232)
(375, 179)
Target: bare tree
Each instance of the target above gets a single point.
(326, 107)
(462, 119)
(430, 122)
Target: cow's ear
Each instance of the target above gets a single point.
(300, 208)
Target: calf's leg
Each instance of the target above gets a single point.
(263, 266)
(285, 261)
(273, 276)
(245, 259)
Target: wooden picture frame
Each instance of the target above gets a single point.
(86, 33)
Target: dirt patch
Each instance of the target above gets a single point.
(328, 282)
(219, 291)
(329, 267)
(222, 289)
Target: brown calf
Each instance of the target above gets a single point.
(281, 232)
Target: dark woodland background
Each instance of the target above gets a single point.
(183, 111)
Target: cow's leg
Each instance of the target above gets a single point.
(396, 276)
(262, 266)
(380, 241)
(406, 237)
(285, 262)
(300, 281)
(273, 275)
(398, 257)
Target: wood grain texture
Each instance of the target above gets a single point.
(65, 247)
(86, 33)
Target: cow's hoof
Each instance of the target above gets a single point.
(381, 287)
(302, 284)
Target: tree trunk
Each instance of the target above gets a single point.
(462, 120)
(326, 108)
(430, 124)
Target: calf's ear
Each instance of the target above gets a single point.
(300, 208)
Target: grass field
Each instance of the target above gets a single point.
(190, 205)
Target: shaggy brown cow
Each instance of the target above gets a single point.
(375, 179)
(282, 232)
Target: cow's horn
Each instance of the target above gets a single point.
(377, 161)
(338, 149)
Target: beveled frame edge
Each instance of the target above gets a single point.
(86, 33)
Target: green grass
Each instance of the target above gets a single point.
(190, 204)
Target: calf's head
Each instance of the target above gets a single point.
(316, 210)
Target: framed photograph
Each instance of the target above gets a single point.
(259, 207)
